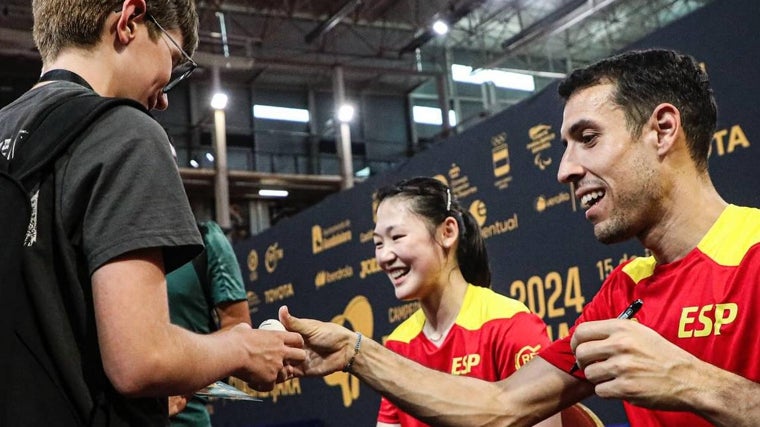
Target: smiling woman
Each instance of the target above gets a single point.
(432, 251)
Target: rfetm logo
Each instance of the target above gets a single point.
(525, 354)
(358, 314)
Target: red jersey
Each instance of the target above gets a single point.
(491, 338)
(704, 303)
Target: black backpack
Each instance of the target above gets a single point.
(40, 364)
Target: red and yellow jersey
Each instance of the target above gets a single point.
(491, 338)
(705, 303)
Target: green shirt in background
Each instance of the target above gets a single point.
(191, 303)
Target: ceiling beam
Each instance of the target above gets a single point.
(328, 24)
(561, 19)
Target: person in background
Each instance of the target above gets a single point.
(637, 129)
(206, 295)
(116, 218)
(433, 252)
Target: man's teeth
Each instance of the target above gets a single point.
(591, 198)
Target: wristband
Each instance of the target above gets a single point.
(350, 363)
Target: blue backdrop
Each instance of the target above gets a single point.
(321, 262)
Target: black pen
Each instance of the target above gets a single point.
(628, 313)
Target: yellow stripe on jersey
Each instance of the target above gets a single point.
(480, 305)
(640, 268)
(409, 328)
(738, 225)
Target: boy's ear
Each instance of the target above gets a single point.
(131, 12)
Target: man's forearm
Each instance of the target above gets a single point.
(727, 399)
(442, 399)
(434, 397)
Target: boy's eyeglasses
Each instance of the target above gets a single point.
(181, 71)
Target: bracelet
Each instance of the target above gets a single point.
(350, 363)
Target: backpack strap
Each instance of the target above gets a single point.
(55, 129)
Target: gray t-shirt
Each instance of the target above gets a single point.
(116, 190)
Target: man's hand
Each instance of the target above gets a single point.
(627, 360)
(329, 345)
(270, 355)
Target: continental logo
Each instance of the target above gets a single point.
(273, 255)
(358, 315)
(525, 354)
(543, 203)
(328, 238)
(500, 227)
(479, 210)
(327, 277)
(279, 293)
(541, 137)
(288, 388)
(726, 141)
(402, 312)
(253, 265)
(500, 161)
(369, 266)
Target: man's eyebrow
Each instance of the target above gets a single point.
(577, 127)
(581, 124)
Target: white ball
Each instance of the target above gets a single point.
(271, 325)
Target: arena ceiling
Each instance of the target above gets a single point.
(382, 46)
(385, 45)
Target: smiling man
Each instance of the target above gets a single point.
(637, 129)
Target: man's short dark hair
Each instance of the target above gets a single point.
(645, 78)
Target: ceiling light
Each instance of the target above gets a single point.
(345, 113)
(271, 112)
(431, 115)
(500, 78)
(440, 27)
(273, 193)
(219, 101)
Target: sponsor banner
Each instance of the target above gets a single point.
(543, 252)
